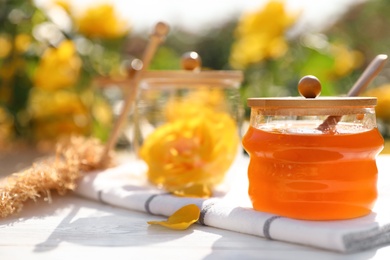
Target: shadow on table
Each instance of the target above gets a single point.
(105, 231)
(89, 223)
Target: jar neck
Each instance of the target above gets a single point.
(354, 120)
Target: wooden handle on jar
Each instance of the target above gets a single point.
(361, 84)
(157, 37)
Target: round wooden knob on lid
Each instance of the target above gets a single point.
(191, 61)
(161, 29)
(309, 87)
(192, 75)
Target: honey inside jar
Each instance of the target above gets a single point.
(301, 172)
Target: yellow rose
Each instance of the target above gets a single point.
(382, 93)
(261, 35)
(191, 150)
(346, 60)
(189, 106)
(59, 113)
(58, 67)
(101, 22)
(5, 46)
(22, 42)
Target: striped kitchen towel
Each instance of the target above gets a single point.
(126, 186)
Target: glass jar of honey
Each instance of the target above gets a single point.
(313, 159)
(188, 126)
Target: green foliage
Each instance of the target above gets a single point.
(28, 37)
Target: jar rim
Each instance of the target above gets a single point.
(319, 102)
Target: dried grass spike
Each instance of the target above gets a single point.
(73, 158)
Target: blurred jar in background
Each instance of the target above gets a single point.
(187, 125)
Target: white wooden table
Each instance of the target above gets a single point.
(74, 228)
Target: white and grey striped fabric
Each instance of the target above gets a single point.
(125, 186)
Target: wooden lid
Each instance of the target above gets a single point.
(319, 102)
(179, 77)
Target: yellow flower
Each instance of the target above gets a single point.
(102, 22)
(189, 105)
(190, 153)
(213, 98)
(191, 150)
(6, 126)
(261, 35)
(59, 113)
(22, 42)
(346, 60)
(382, 93)
(8, 71)
(58, 67)
(5, 46)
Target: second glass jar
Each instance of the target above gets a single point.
(187, 126)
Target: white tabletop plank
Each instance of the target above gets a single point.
(72, 227)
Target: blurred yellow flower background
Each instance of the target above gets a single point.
(58, 113)
(5, 46)
(102, 22)
(345, 61)
(261, 35)
(48, 58)
(274, 59)
(59, 67)
(6, 130)
(382, 93)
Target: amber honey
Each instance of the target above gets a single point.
(314, 176)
